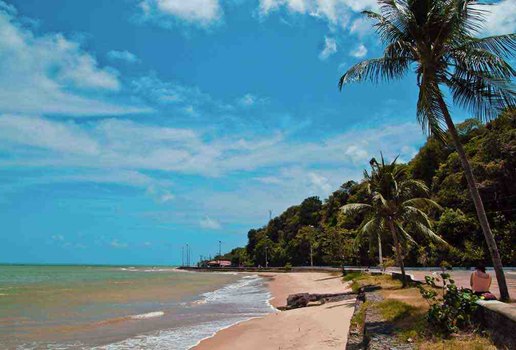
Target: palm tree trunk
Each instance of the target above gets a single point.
(399, 256)
(479, 205)
(380, 258)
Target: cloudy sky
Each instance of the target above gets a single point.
(130, 128)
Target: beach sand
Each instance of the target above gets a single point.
(317, 327)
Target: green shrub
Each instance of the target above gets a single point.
(454, 310)
(352, 276)
(288, 266)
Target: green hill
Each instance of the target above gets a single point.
(319, 224)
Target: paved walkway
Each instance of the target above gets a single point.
(461, 278)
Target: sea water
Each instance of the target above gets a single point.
(108, 307)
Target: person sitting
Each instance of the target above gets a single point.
(480, 281)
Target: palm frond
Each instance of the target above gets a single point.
(501, 45)
(370, 228)
(431, 235)
(376, 70)
(386, 29)
(354, 208)
(429, 112)
(380, 199)
(413, 187)
(422, 203)
(405, 236)
(479, 60)
(415, 215)
(396, 11)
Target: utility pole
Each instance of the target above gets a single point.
(187, 255)
(270, 215)
(182, 256)
(220, 251)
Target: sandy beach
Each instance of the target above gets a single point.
(318, 327)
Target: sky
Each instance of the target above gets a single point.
(131, 128)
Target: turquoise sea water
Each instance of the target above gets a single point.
(83, 307)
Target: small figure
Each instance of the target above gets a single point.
(480, 281)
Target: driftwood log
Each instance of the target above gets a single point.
(298, 300)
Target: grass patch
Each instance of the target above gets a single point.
(386, 282)
(393, 310)
(352, 276)
(469, 342)
(358, 319)
(406, 310)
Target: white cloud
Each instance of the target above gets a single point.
(361, 27)
(209, 223)
(131, 146)
(249, 100)
(165, 92)
(501, 17)
(342, 67)
(321, 182)
(361, 5)
(161, 194)
(51, 135)
(330, 48)
(117, 244)
(123, 56)
(51, 74)
(200, 12)
(359, 52)
(167, 196)
(58, 237)
(144, 156)
(335, 12)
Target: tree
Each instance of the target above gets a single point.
(395, 205)
(436, 37)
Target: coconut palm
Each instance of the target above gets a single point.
(395, 205)
(437, 39)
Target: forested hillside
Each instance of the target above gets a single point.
(320, 225)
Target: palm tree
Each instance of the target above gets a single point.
(395, 205)
(436, 38)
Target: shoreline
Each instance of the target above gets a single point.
(323, 327)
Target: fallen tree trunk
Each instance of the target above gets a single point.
(299, 300)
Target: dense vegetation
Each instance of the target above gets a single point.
(322, 227)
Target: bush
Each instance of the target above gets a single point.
(288, 266)
(454, 310)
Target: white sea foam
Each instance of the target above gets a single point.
(147, 315)
(154, 269)
(245, 299)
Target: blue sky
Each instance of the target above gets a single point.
(130, 128)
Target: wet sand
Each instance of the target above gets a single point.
(319, 327)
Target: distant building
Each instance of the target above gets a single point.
(219, 263)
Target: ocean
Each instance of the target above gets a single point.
(108, 307)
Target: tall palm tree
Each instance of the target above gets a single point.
(436, 38)
(395, 205)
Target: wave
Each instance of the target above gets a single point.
(153, 269)
(147, 315)
(242, 300)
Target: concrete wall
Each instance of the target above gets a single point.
(263, 269)
(499, 319)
